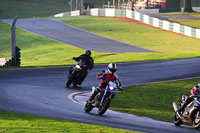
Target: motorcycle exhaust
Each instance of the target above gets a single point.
(175, 106)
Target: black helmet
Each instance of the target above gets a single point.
(88, 52)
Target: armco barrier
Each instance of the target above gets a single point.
(163, 24)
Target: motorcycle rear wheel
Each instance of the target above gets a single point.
(104, 107)
(177, 120)
(196, 121)
(88, 107)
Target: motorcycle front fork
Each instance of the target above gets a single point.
(104, 96)
(102, 99)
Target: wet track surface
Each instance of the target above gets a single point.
(42, 92)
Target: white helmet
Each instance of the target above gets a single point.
(198, 86)
(112, 68)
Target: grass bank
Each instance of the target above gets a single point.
(41, 51)
(13, 122)
(155, 99)
(134, 32)
(41, 8)
(32, 8)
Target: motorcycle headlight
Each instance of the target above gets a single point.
(78, 67)
(112, 88)
(112, 85)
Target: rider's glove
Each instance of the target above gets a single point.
(74, 58)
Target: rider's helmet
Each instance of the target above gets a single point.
(196, 90)
(112, 68)
(88, 52)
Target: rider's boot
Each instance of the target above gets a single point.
(96, 91)
(186, 102)
(98, 101)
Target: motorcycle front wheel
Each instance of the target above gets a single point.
(196, 121)
(88, 107)
(70, 80)
(104, 106)
(177, 120)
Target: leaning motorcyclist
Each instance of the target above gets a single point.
(195, 91)
(109, 75)
(88, 60)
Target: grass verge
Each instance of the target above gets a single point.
(134, 32)
(186, 18)
(13, 122)
(155, 99)
(197, 14)
(41, 51)
(189, 22)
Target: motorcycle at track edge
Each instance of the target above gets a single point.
(190, 114)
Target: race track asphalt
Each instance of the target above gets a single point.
(42, 92)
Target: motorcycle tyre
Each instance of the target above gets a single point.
(177, 121)
(88, 107)
(75, 84)
(104, 107)
(194, 124)
(70, 80)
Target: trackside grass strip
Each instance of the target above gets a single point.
(152, 100)
(195, 23)
(17, 123)
(197, 14)
(192, 21)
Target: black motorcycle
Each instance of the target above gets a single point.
(190, 114)
(102, 102)
(77, 74)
